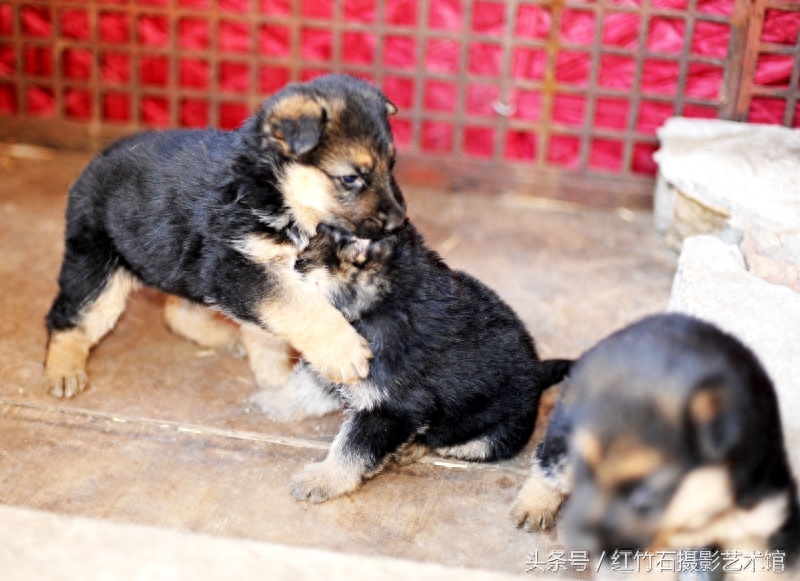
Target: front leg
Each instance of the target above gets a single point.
(298, 311)
(364, 443)
(310, 323)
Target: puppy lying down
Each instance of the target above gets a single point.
(453, 368)
(667, 436)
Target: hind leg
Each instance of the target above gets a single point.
(477, 450)
(497, 442)
(202, 326)
(92, 296)
(270, 357)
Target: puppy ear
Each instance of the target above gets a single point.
(391, 108)
(295, 123)
(713, 424)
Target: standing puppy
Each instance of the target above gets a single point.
(218, 219)
(454, 369)
(667, 436)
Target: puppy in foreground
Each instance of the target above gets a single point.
(218, 219)
(667, 436)
(453, 368)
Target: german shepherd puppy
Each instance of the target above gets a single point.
(453, 368)
(218, 219)
(667, 436)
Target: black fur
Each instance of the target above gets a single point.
(218, 218)
(452, 363)
(167, 206)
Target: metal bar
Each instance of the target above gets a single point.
(749, 60)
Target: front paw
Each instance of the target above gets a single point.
(343, 359)
(536, 506)
(323, 480)
(65, 383)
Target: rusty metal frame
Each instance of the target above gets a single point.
(746, 48)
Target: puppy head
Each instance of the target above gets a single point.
(656, 429)
(334, 139)
(353, 272)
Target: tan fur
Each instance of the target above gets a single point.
(65, 363)
(290, 107)
(410, 453)
(201, 325)
(263, 251)
(270, 357)
(706, 404)
(294, 106)
(338, 474)
(315, 328)
(67, 351)
(100, 317)
(349, 158)
(309, 194)
(588, 446)
(627, 459)
(703, 513)
(302, 314)
(539, 500)
(474, 450)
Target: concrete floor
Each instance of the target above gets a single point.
(165, 436)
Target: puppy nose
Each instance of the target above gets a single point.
(393, 220)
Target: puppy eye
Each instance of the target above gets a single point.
(352, 181)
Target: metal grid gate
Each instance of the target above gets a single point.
(560, 98)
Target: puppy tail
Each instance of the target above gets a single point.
(554, 371)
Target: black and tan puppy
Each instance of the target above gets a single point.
(218, 219)
(667, 436)
(453, 368)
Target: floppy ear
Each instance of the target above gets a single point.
(295, 123)
(715, 426)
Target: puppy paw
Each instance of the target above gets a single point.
(323, 480)
(65, 363)
(65, 383)
(536, 506)
(529, 519)
(342, 359)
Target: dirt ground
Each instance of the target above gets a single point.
(165, 435)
